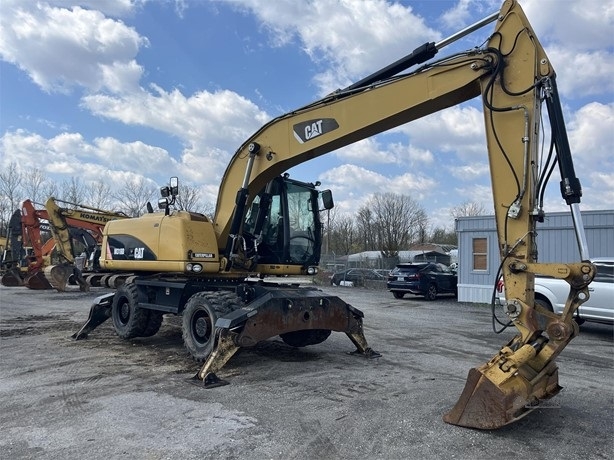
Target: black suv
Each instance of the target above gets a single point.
(426, 279)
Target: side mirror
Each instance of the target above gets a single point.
(327, 199)
(174, 186)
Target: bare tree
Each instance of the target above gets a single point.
(343, 235)
(398, 220)
(49, 189)
(33, 185)
(73, 191)
(189, 199)
(133, 197)
(98, 195)
(468, 208)
(442, 236)
(365, 227)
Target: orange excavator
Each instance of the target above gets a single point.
(27, 250)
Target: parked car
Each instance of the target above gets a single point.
(551, 293)
(426, 279)
(356, 277)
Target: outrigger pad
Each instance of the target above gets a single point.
(210, 381)
(369, 353)
(99, 313)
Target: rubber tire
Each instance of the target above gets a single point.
(198, 323)
(154, 322)
(304, 338)
(129, 320)
(431, 292)
(398, 295)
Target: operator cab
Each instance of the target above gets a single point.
(285, 221)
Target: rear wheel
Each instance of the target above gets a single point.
(304, 338)
(154, 322)
(398, 295)
(199, 317)
(129, 320)
(431, 292)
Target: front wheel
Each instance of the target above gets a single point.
(198, 322)
(129, 320)
(431, 292)
(398, 295)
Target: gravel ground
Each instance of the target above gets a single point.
(106, 398)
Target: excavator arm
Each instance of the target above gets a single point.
(513, 76)
(79, 222)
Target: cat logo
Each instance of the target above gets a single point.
(310, 129)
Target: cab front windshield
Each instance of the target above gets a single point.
(290, 230)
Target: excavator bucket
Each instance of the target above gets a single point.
(60, 275)
(487, 406)
(37, 281)
(12, 278)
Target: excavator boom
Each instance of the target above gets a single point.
(513, 76)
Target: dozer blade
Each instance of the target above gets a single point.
(99, 313)
(487, 406)
(12, 278)
(37, 281)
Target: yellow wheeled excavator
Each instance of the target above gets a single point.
(266, 223)
(75, 225)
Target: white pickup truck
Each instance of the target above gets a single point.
(552, 293)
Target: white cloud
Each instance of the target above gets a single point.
(349, 38)
(369, 151)
(576, 25)
(469, 172)
(459, 129)
(353, 185)
(63, 48)
(590, 134)
(582, 73)
(115, 8)
(222, 119)
(579, 40)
